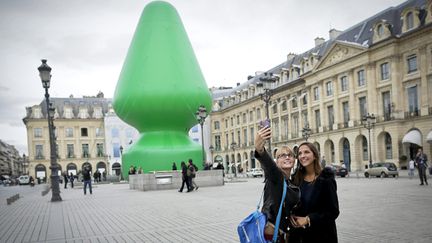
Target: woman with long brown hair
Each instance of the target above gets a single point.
(314, 220)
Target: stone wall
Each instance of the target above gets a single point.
(165, 180)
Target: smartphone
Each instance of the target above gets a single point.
(264, 123)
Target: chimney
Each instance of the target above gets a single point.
(334, 33)
(290, 56)
(319, 41)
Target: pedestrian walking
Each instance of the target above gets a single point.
(275, 176)
(421, 162)
(65, 179)
(193, 169)
(174, 166)
(140, 171)
(323, 162)
(87, 180)
(411, 168)
(72, 178)
(185, 178)
(315, 218)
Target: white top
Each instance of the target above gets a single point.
(411, 164)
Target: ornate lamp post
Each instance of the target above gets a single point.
(201, 115)
(306, 131)
(233, 147)
(369, 121)
(267, 80)
(45, 75)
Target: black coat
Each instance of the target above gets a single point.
(273, 190)
(323, 210)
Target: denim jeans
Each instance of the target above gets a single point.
(88, 182)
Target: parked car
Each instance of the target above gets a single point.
(24, 180)
(255, 172)
(339, 170)
(382, 169)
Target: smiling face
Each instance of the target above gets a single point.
(306, 156)
(285, 158)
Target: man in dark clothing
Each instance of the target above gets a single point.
(185, 177)
(65, 178)
(421, 162)
(87, 180)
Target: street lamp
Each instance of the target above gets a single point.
(25, 164)
(45, 75)
(201, 115)
(369, 121)
(306, 131)
(233, 147)
(267, 80)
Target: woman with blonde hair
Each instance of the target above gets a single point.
(275, 176)
(315, 218)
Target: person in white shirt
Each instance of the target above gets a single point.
(411, 169)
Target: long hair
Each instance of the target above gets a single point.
(300, 171)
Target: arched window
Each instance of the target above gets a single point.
(388, 146)
(380, 30)
(409, 20)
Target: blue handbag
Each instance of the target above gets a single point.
(251, 229)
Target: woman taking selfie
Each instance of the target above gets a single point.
(275, 175)
(315, 218)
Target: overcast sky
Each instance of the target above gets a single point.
(86, 41)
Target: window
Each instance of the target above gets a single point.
(100, 149)
(244, 118)
(69, 132)
(409, 21)
(304, 99)
(245, 135)
(380, 30)
(345, 108)
(329, 88)
(317, 118)
(285, 128)
(238, 137)
(84, 132)
(330, 113)
(305, 118)
(238, 120)
(361, 78)
(194, 129)
(232, 122)
(275, 129)
(365, 149)
(294, 102)
(70, 151)
(39, 151)
(227, 140)
(129, 133)
(217, 143)
(388, 146)
(274, 108)
(226, 123)
(362, 107)
(385, 71)
(412, 63)
(295, 127)
(37, 132)
(116, 150)
(386, 105)
(250, 116)
(252, 136)
(316, 93)
(99, 132)
(413, 101)
(258, 114)
(216, 125)
(85, 150)
(115, 133)
(344, 83)
(284, 105)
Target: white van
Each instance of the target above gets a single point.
(24, 180)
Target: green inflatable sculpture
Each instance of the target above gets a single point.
(159, 90)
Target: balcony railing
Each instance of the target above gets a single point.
(411, 114)
(39, 157)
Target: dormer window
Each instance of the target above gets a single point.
(410, 19)
(380, 30)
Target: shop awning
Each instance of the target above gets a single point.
(413, 136)
(429, 137)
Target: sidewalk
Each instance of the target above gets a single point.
(372, 210)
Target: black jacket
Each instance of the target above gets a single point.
(273, 190)
(323, 210)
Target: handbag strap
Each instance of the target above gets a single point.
(276, 231)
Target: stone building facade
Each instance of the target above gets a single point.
(380, 66)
